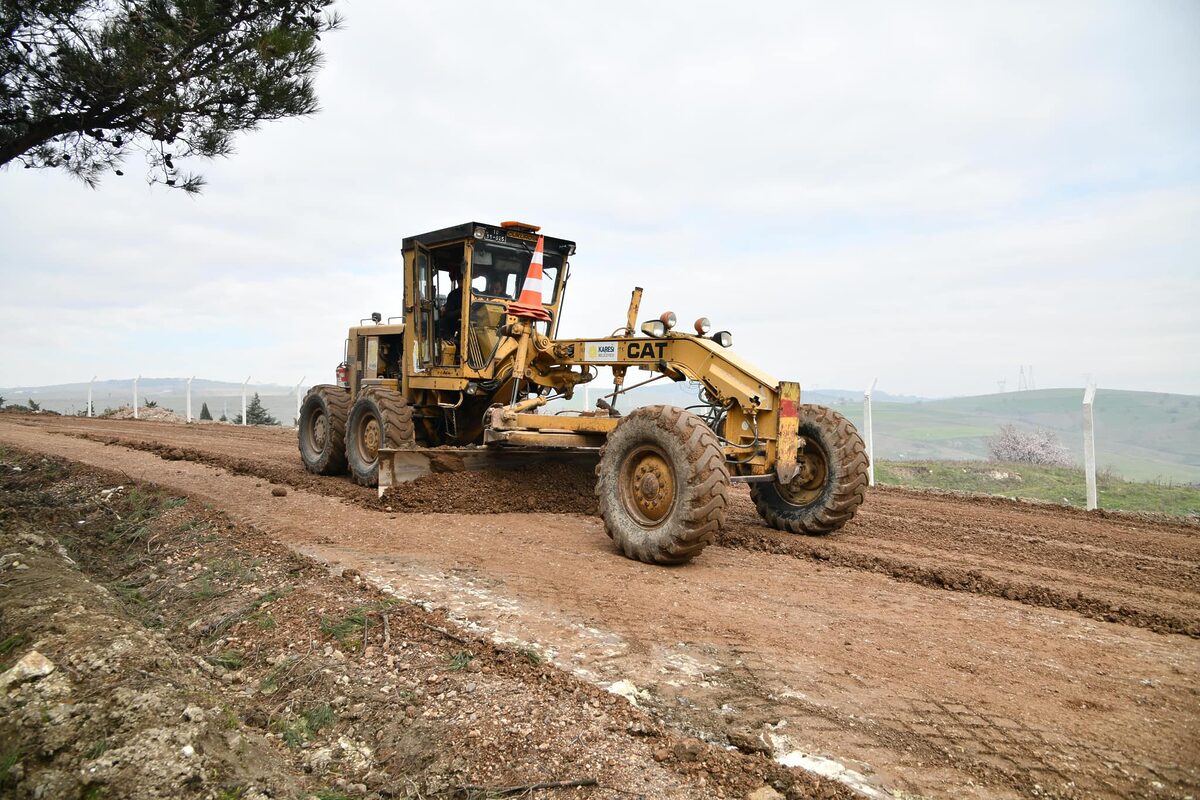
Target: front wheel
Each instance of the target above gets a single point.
(831, 483)
(662, 485)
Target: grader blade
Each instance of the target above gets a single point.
(401, 466)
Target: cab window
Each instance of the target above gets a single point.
(500, 269)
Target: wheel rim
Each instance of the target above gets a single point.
(318, 431)
(647, 485)
(369, 438)
(809, 483)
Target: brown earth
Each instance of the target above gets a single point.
(942, 646)
(1117, 567)
(556, 489)
(191, 656)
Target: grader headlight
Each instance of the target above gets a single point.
(723, 338)
(654, 328)
(668, 318)
(703, 326)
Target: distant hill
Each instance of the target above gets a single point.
(684, 394)
(829, 397)
(1142, 436)
(171, 393)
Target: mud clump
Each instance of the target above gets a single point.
(150, 413)
(555, 489)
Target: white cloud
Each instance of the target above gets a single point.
(934, 194)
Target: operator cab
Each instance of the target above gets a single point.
(461, 282)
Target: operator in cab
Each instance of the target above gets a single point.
(496, 286)
(451, 317)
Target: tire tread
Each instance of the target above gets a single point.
(700, 518)
(397, 429)
(337, 408)
(849, 467)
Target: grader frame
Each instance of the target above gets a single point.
(761, 414)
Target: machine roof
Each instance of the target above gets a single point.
(467, 231)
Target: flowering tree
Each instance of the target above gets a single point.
(1015, 445)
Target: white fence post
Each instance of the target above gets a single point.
(868, 430)
(189, 398)
(135, 397)
(244, 420)
(1089, 447)
(298, 398)
(90, 406)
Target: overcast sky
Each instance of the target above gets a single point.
(930, 193)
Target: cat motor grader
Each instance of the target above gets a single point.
(467, 370)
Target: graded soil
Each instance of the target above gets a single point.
(938, 646)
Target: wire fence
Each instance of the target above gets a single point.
(174, 400)
(185, 400)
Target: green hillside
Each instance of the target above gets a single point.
(1050, 484)
(1142, 436)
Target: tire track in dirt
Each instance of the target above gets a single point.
(1050, 536)
(962, 580)
(1136, 570)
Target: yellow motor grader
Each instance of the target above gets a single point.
(465, 374)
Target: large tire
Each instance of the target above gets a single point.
(662, 484)
(322, 431)
(379, 418)
(832, 482)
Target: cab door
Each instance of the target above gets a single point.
(424, 310)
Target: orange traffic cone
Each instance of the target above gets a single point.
(529, 304)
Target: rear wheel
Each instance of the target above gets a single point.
(323, 429)
(662, 485)
(831, 483)
(379, 418)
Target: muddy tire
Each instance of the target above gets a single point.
(662, 485)
(322, 431)
(379, 418)
(832, 481)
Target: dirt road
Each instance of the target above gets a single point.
(939, 646)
